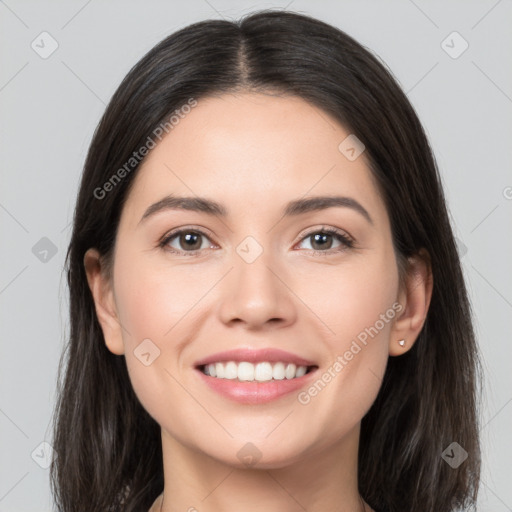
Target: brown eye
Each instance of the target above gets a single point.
(323, 240)
(190, 241)
(185, 241)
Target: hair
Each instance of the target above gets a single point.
(109, 448)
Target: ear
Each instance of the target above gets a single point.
(103, 295)
(415, 298)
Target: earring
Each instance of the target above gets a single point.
(401, 343)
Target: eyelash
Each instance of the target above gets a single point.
(346, 241)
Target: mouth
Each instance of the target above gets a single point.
(255, 376)
(263, 371)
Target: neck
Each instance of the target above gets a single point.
(323, 480)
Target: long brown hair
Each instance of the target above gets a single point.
(109, 448)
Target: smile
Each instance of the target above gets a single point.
(255, 376)
(245, 371)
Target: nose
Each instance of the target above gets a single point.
(257, 295)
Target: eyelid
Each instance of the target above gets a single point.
(176, 231)
(331, 230)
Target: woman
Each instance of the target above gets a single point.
(267, 306)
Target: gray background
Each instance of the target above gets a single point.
(50, 107)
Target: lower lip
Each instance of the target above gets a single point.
(255, 392)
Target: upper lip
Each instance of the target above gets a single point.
(272, 355)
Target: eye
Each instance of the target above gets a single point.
(189, 241)
(322, 240)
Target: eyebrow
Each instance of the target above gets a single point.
(293, 208)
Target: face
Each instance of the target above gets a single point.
(314, 287)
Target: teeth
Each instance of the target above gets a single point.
(301, 370)
(230, 370)
(289, 373)
(259, 372)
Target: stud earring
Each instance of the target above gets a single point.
(401, 343)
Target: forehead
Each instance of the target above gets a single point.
(252, 151)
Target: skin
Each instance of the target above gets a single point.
(253, 153)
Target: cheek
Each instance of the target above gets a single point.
(153, 300)
(161, 302)
(356, 303)
(352, 297)
(157, 304)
